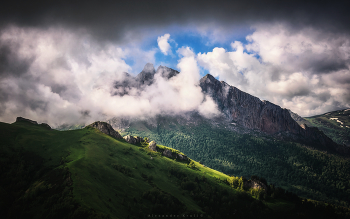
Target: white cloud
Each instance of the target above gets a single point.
(70, 79)
(306, 71)
(163, 43)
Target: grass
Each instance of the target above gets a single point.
(90, 155)
(280, 205)
(86, 172)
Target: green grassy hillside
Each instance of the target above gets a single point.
(303, 170)
(87, 174)
(335, 125)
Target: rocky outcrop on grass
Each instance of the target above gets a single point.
(167, 152)
(133, 139)
(253, 184)
(106, 129)
(152, 146)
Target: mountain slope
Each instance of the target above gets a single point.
(252, 113)
(88, 174)
(296, 167)
(335, 125)
(100, 176)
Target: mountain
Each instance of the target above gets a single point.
(239, 108)
(234, 150)
(252, 137)
(144, 78)
(166, 72)
(300, 120)
(252, 113)
(242, 109)
(247, 110)
(335, 125)
(86, 173)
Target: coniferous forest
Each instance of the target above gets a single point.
(298, 168)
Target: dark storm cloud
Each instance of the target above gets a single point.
(331, 66)
(58, 58)
(85, 113)
(11, 63)
(58, 89)
(113, 19)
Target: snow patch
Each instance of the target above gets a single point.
(336, 119)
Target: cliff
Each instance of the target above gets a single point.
(248, 110)
(252, 113)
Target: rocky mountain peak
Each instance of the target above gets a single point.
(252, 113)
(105, 128)
(248, 110)
(166, 72)
(208, 79)
(146, 75)
(149, 68)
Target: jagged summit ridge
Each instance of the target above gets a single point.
(144, 78)
(149, 68)
(246, 109)
(146, 75)
(252, 113)
(166, 72)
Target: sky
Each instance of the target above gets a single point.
(59, 60)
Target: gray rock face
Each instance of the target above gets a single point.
(166, 72)
(167, 153)
(106, 129)
(182, 157)
(130, 139)
(153, 146)
(145, 77)
(248, 110)
(252, 113)
(133, 140)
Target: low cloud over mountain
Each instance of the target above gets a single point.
(60, 62)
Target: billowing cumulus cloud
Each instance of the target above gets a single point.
(67, 78)
(60, 61)
(297, 70)
(163, 44)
